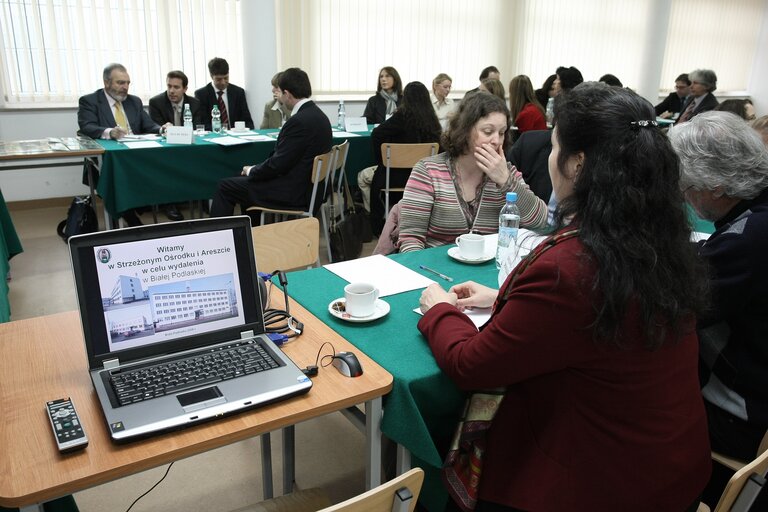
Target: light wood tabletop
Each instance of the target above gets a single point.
(44, 358)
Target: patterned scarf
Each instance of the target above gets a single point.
(391, 99)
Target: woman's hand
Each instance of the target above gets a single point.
(472, 295)
(434, 294)
(492, 163)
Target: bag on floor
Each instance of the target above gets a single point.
(345, 233)
(81, 218)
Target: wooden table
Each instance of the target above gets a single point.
(44, 358)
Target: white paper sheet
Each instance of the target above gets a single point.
(228, 141)
(143, 144)
(345, 134)
(258, 138)
(144, 136)
(385, 274)
(478, 316)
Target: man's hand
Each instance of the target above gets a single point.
(117, 133)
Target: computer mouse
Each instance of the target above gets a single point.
(347, 364)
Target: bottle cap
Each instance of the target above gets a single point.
(511, 197)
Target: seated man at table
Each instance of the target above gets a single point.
(724, 176)
(229, 97)
(673, 104)
(168, 108)
(285, 177)
(112, 113)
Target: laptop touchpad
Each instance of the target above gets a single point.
(201, 398)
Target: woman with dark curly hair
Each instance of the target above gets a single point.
(389, 92)
(463, 189)
(592, 337)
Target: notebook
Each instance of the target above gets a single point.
(180, 296)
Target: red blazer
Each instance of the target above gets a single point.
(530, 118)
(582, 426)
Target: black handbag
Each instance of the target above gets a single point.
(345, 234)
(81, 218)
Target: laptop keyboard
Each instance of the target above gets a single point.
(220, 364)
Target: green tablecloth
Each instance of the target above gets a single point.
(130, 178)
(9, 247)
(422, 410)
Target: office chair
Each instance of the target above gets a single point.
(402, 156)
(320, 169)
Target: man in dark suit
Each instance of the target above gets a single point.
(285, 177)
(673, 104)
(701, 99)
(112, 113)
(168, 107)
(229, 97)
(530, 154)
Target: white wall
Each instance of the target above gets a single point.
(260, 60)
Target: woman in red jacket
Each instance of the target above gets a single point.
(593, 339)
(525, 109)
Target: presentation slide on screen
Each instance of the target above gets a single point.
(160, 290)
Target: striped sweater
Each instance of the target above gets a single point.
(431, 214)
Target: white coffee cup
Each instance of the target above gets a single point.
(240, 126)
(360, 299)
(471, 246)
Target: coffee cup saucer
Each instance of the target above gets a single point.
(455, 253)
(336, 308)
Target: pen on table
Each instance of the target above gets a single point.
(438, 274)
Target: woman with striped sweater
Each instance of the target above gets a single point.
(463, 189)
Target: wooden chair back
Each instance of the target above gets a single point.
(403, 156)
(743, 487)
(286, 245)
(381, 498)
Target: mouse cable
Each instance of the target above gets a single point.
(312, 370)
(151, 488)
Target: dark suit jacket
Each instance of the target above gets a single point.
(94, 115)
(285, 177)
(708, 103)
(161, 110)
(238, 106)
(376, 109)
(672, 103)
(530, 154)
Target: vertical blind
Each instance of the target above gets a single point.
(55, 50)
(343, 43)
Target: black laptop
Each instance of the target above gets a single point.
(173, 324)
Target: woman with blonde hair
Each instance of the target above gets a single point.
(443, 105)
(524, 108)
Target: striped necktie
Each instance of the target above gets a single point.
(223, 110)
(120, 116)
(688, 111)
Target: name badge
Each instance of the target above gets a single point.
(178, 135)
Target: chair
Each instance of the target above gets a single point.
(287, 245)
(379, 499)
(743, 487)
(735, 464)
(337, 174)
(402, 156)
(320, 169)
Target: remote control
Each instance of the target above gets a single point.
(67, 429)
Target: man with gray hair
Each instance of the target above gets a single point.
(724, 176)
(701, 99)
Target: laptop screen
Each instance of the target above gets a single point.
(158, 288)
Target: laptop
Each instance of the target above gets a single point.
(173, 325)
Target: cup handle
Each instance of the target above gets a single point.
(457, 240)
(375, 294)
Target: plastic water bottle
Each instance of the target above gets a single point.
(341, 124)
(509, 222)
(215, 119)
(550, 113)
(187, 116)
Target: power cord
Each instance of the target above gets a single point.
(151, 488)
(279, 323)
